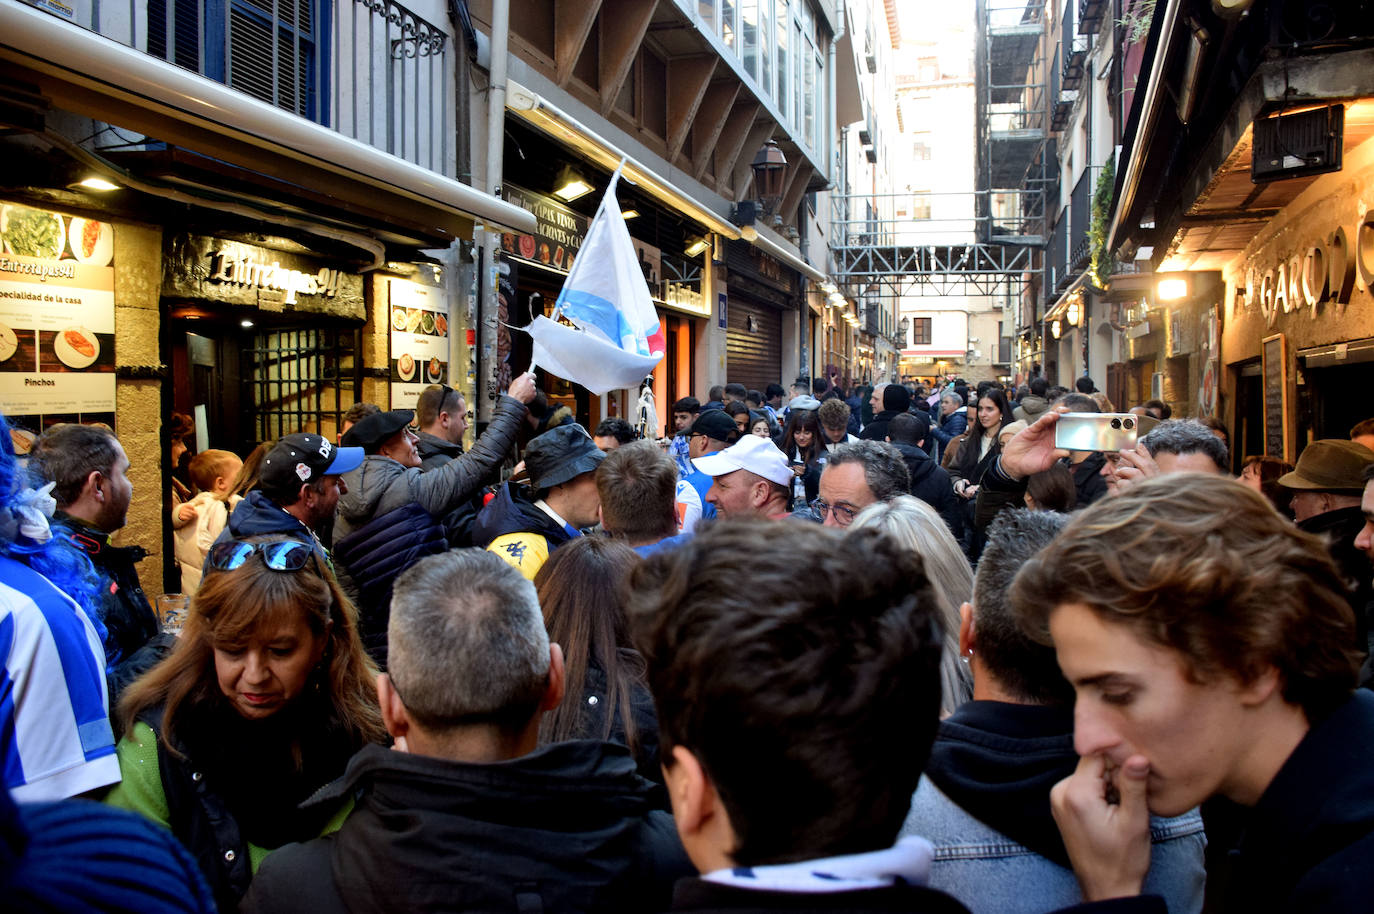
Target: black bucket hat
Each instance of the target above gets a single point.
(561, 454)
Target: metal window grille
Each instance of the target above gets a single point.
(302, 379)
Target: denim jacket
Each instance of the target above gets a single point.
(992, 874)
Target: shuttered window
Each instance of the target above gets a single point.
(272, 52)
(269, 49)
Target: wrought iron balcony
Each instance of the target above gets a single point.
(371, 69)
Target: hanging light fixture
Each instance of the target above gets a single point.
(569, 185)
(769, 167)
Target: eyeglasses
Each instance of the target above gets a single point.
(279, 556)
(844, 514)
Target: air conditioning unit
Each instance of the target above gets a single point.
(1296, 145)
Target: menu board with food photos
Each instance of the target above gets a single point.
(57, 345)
(557, 236)
(419, 340)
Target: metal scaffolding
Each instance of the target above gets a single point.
(935, 244)
(1012, 78)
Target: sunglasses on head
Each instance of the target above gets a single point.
(281, 556)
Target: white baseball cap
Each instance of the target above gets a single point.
(754, 453)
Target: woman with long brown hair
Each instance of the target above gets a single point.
(264, 699)
(582, 591)
(979, 451)
(804, 446)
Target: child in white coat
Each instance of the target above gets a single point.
(196, 523)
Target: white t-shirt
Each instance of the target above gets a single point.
(54, 709)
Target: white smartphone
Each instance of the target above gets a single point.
(1101, 431)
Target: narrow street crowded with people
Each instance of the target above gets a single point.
(686, 455)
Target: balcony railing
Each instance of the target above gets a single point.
(370, 69)
(1056, 258)
(1080, 216)
(936, 218)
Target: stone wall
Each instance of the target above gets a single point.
(138, 403)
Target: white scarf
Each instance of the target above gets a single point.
(907, 862)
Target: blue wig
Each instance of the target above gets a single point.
(53, 556)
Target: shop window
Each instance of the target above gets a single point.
(268, 49)
(920, 331)
(301, 379)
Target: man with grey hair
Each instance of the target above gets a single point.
(984, 799)
(1172, 446)
(467, 811)
(953, 420)
(856, 476)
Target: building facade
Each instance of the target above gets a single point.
(1244, 187)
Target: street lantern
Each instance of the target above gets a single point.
(769, 167)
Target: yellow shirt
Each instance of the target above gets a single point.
(526, 551)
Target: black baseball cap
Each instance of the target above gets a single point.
(716, 424)
(297, 460)
(372, 431)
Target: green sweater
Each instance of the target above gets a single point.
(140, 790)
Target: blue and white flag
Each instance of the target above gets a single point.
(617, 341)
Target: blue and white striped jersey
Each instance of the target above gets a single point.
(55, 735)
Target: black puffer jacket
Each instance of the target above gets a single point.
(569, 827)
(931, 484)
(374, 555)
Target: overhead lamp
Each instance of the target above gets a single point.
(769, 167)
(630, 214)
(1074, 313)
(97, 184)
(1056, 329)
(1171, 289)
(569, 185)
(695, 246)
(245, 323)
